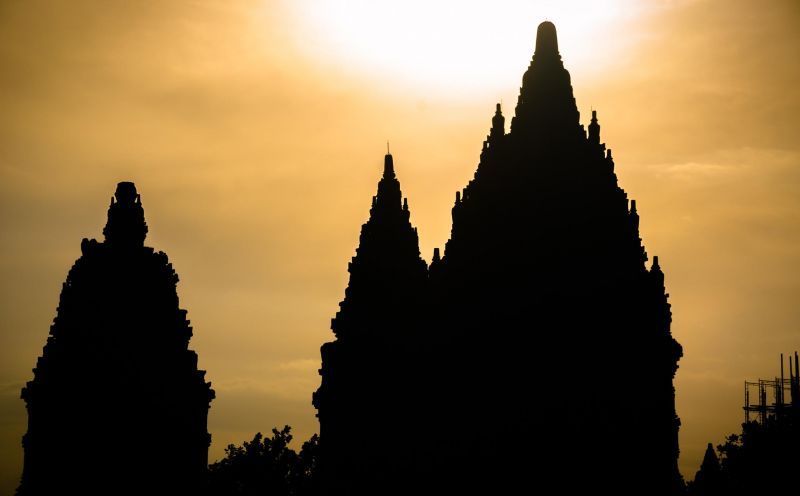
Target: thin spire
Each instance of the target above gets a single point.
(594, 129)
(498, 125)
(388, 164)
(389, 195)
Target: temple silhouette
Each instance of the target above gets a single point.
(117, 404)
(534, 352)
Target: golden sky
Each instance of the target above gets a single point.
(255, 132)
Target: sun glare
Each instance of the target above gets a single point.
(458, 45)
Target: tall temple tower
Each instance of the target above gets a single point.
(117, 404)
(544, 280)
(542, 355)
(366, 373)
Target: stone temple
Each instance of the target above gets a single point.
(117, 404)
(534, 355)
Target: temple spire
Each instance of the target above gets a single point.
(126, 225)
(546, 40)
(498, 125)
(594, 129)
(546, 113)
(117, 363)
(387, 260)
(388, 164)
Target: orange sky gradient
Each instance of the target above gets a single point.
(255, 132)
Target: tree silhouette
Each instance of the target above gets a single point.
(762, 459)
(266, 466)
(305, 476)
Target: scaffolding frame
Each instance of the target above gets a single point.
(775, 389)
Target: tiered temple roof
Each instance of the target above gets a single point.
(367, 371)
(542, 355)
(117, 404)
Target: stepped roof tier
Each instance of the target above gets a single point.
(539, 346)
(116, 381)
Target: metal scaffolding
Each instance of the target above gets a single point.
(775, 389)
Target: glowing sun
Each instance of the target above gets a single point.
(458, 45)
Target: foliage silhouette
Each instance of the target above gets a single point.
(762, 459)
(266, 466)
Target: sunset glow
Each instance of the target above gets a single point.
(481, 45)
(255, 132)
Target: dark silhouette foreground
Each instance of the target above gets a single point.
(765, 457)
(117, 404)
(535, 352)
(267, 466)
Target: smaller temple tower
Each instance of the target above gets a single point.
(367, 374)
(117, 404)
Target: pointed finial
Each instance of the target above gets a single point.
(388, 166)
(387, 148)
(498, 125)
(126, 225)
(594, 129)
(633, 208)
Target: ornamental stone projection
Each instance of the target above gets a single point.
(534, 353)
(117, 404)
